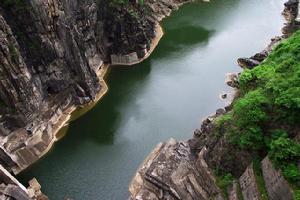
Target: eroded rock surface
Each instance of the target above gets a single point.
(11, 189)
(171, 171)
(248, 185)
(276, 186)
(50, 53)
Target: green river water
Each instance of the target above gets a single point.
(165, 96)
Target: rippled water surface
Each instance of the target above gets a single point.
(165, 96)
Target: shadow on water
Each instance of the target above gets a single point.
(175, 40)
(102, 121)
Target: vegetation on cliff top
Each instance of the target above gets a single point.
(265, 118)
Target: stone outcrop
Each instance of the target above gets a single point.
(11, 189)
(276, 186)
(233, 191)
(171, 171)
(249, 185)
(50, 55)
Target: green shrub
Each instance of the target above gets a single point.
(251, 137)
(221, 120)
(284, 150)
(249, 110)
(266, 114)
(291, 172)
(223, 182)
(297, 195)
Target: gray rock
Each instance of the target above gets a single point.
(233, 191)
(276, 186)
(172, 172)
(247, 63)
(248, 185)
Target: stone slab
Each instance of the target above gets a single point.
(276, 186)
(248, 185)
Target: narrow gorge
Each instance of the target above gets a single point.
(156, 79)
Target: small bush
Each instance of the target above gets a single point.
(291, 172)
(297, 195)
(224, 181)
(284, 150)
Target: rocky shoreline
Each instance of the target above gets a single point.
(183, 170)
(54, 60)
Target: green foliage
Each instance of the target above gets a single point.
(269, 94)
(251, 137)
(223, 119)
(297, 195)
(250, 109)
(291, 172)
(224, 181)
(120, 1)
(248, 113)
(266, 114)
(13, 53)
(284, 150)
(285, 153)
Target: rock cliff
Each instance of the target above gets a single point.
(189, 170)
(50, 55)
(51, 52)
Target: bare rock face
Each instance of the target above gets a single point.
(17, 87)
(248, 185)
(182, 170)
(172, 172)
(233, 191)
(276, 186)
(11, 189)
(291, 10)
(50, 53)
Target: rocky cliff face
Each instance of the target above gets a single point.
(173, 172)
(184, 170)
(50, 54)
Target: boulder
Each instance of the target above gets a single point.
(247, 63)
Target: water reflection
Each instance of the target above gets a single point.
(102, 121)
(176, 39)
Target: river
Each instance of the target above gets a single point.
(165, 96)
